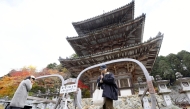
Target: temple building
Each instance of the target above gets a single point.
(109, 36)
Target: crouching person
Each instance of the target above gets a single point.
(20, 96)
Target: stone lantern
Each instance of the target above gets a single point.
(184, 83)
(163, 90)
(141, 86)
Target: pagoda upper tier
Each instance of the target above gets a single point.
(122, 14)
(114, 36)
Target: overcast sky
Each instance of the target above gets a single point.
(33, 32)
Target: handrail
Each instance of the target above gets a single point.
(147, 76)
(56, 75)
(62, 81)
(62, 84)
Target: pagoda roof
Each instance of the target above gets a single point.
(144, 52)
(122, 14)
(123, 33)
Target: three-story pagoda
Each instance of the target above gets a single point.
(109, 36)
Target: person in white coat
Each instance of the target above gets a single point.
(20, 96)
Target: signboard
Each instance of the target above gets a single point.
(68, 88)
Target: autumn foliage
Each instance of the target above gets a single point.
(10, 82)
(82, 85)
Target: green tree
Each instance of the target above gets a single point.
(74, 56)
(155, 70)
(167, 66)
(184, 57)
(52, 66)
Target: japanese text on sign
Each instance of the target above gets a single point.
(68, 88)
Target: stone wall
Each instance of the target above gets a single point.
(124, 102)
(128, 102)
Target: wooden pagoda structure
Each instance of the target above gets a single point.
(109, 36)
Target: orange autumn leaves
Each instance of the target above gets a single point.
(10, 82)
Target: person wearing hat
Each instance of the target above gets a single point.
(20, 96)
(110, 90)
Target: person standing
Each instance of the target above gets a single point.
(110, 90)
(20, 96)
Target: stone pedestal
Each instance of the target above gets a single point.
(142, 87)
(167, 99)
(146, 103)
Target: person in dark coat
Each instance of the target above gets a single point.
(20, 96)
(110, 90)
